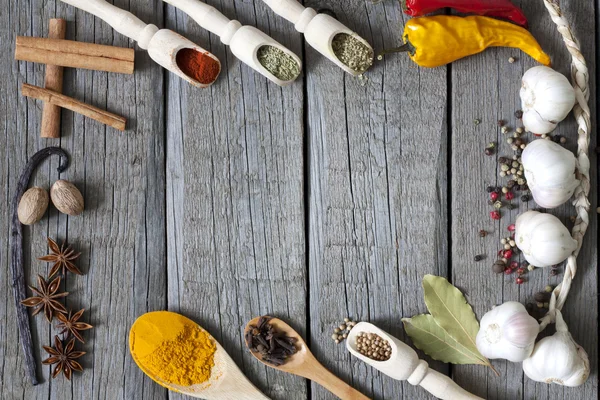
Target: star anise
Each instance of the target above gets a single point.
(47, 298)
(63, 357)
(62, 257)
(70, 324)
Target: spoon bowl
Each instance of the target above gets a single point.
(320, 32)
(163, 48)
(244, 41)
(303, 363)
(226, 381)
(404, 364)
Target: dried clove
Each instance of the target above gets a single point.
(274, 347)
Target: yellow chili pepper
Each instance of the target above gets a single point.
(442, 39)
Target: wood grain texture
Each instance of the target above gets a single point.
(377, 210)
(490, 96)
(236, 156)
(122, 231)
(326, 199)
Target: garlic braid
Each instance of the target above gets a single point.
(580, 81)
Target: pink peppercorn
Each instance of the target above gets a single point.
(511, 228)
(514, 265)
(508, 254)
(520, 281)
(494, 196)
(508, 271)
(495, 215)
(520, 271)
(509, 195)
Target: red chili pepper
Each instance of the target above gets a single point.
(491, 8)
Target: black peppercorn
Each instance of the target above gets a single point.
(479, 257)
(556, 138)
(483, 233)
(554, 272)
(499, 267)
(519, 152)
(503, 160)
(501, 123)
(497, 189)
(489, 151)
(518, 114)
(524, 187)
(511, 206)
(489, 189)
(525, 198)
(541, 297)
(510, 184)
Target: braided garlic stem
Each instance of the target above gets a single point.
(580, 79)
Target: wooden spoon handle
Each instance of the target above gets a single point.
(335, 385)
(443, 387)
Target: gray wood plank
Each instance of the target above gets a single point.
(236, 196)
(122, 231)
(378, 178)
(486, 87)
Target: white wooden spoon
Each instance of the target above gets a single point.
(404, 364)
(243, 40)
(226, 381)
(319, 29)
(162, 44)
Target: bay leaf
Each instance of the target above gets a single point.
(429, 337)
(451, 311)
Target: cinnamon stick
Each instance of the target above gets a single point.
(54, 81)
(52, 97)
(69, 53)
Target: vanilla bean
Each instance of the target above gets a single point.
(16, 246)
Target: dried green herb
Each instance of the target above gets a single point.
(451, 311)
(429, 337)
(352, 52)
(279, 63)
(449, 333)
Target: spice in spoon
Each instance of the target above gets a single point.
(352, 52)
(172, 349)
(197, 65)
(275, 347)
(279, 63)
(373, 346)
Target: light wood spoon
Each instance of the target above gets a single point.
(226, 381)
(304, 364)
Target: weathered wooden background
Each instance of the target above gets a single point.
(324, 199)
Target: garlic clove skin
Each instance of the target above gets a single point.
(543, 239)
(507, 332)
(550, 172)
(558, 359)
(547, 97)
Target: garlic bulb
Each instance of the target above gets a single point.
(546, 99)
(550, 172)
(558, 359)
(508, 332)
(543, 239)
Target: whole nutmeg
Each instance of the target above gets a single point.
(66, 197)
(32, 206)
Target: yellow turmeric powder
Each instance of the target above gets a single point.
(172, 348)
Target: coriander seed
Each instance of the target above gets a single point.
(373, 346)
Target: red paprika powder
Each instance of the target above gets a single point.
(198, 66)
